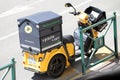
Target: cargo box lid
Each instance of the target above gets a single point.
(41, 17)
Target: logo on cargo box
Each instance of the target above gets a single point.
(28, 29)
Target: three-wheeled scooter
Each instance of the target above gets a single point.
(46, 49)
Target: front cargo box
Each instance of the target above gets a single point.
(96, 15)
(40, 32)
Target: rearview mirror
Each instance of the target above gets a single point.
(68, 5)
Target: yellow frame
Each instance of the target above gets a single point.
(42, 66)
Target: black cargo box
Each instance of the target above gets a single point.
(40, 32)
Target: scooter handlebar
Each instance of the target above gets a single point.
(75, 13)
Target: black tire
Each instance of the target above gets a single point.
(56, 66)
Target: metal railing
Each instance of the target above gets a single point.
(101, 41)
(9, 66)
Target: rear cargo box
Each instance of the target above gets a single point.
(40, 32)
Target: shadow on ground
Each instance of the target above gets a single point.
(75, 72)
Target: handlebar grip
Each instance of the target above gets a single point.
(75, 13)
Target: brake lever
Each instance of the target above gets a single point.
(75, 13)
(71, 12)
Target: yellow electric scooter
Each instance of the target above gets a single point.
(45, 48)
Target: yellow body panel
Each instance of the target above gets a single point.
(83, 17)
(42, 66)
(95, 33)
(71, 49)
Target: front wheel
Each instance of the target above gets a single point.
(56, 66)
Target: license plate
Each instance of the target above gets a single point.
(31, 60)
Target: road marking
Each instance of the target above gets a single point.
(15, 10)
(20, 9)
(79, 58)
(8, 36)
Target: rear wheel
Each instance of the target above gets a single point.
(56, 66)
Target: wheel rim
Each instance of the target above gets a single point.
(57, 65)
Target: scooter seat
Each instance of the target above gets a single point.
(68, 39)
